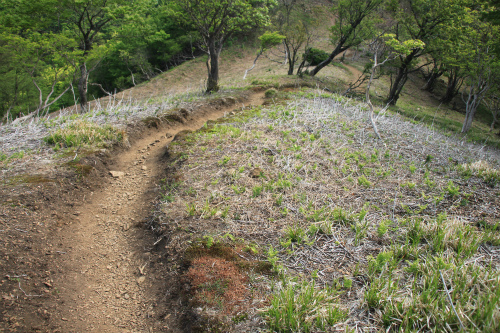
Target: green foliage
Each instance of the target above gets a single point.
(257, 190)
(215, 21)
(271, 93)
(82, 133)
(363, 181)
(301, 307)
(452, 189)
(405, 47)
(296, 235)
(315, 56)
(270, 39)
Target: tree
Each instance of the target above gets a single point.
(34, 58)
(493, 103)
(267, 40)
(395, 48)
(48, 60)
(423, 20)
(431, 77)
(216, 21)
(85, 21)
(481, 65)
(351, 28)
(296, 20)
(132, 38)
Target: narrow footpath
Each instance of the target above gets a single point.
(111, 281)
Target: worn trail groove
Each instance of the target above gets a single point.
(110, 284)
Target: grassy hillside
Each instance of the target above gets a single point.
(330, 228)
(293, 217)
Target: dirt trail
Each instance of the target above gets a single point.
(111, 284)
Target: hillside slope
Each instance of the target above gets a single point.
(227, 228)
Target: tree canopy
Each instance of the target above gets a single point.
(216, 21)
(96, 47)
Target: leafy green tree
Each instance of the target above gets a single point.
(297, 21)
(47, 58)
(217, 20)
(353, 25)
(142, 47)
(85, 21)
(132, 39)
(267, 41)
(481, 65)
(423, 20)
(386, 47)
(36, 53)
(82, 21)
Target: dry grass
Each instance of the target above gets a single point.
(307, 185)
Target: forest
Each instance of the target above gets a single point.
(57, 53)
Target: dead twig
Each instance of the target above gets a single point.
(451, 302)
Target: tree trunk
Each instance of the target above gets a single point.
(397, 86)
(368, 101)
(338, 50)
(431, 78)
(431, 81)
(469, 116)
(477, 90)
(213, 68)
(494, 122)
(303, 63)
(291, 59)
(452, 87)
(254, 63)
(83, 86)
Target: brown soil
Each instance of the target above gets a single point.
(74, 253)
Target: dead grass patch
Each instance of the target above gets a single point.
(218, 283)
(330, 199)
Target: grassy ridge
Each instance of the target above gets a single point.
(357, 232)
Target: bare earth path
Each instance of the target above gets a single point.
(110, 284)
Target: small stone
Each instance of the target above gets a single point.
(126, 296)
(144, 167)
(141, 279)
(117, 174)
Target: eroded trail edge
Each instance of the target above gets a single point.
(112, 277)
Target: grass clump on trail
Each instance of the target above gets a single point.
(83, 133)
(300, 307)
(392, 235)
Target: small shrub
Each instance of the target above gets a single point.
(83, 133)
(270, 93)
(315, 56)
